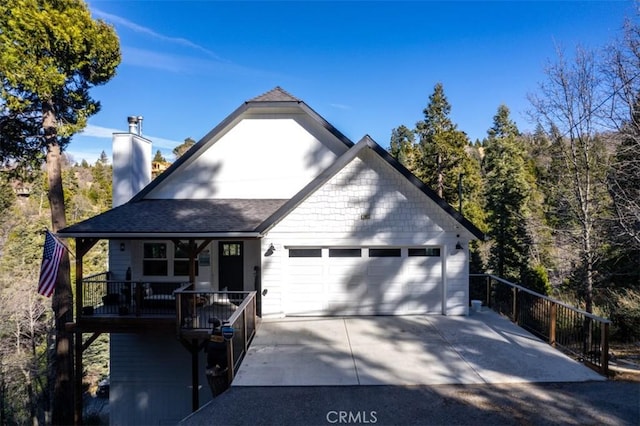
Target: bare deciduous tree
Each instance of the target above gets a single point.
(568, 103)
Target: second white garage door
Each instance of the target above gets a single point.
(363, 281)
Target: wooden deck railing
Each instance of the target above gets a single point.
(574, 331)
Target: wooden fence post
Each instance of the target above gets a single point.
(604, 352)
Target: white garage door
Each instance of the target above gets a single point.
(363, 281)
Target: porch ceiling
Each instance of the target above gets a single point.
(177, 218)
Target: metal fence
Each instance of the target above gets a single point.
(244, 323)
(574, 331)
(197, 309)
(101, 296)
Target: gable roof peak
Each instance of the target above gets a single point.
(277, 94)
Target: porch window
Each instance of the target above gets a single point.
(181, 261)
(154, 262)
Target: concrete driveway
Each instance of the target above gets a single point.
(412, 350)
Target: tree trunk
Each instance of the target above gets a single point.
(61, 372)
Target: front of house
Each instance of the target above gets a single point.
(277, 201)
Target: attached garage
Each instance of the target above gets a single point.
(363, 281)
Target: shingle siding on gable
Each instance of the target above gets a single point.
(399, 215)
(367, 201)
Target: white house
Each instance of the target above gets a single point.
(280, 202)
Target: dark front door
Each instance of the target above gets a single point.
(230, 261)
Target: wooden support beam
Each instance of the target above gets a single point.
(195, 385)
(77, 415)
(90, 340)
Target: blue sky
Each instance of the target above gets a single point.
(366, 67)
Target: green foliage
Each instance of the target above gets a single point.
(403, 147)
(159, 158)
(507, 194)
(183, 147)
(623, 308)
(51, 54)
(21, 239)
(536, 278)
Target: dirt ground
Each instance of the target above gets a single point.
(625, 362)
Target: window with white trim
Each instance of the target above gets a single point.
(154, 260)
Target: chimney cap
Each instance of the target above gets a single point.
(132, 119)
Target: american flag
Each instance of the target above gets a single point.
(52, 253)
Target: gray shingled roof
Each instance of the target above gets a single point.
(277, 94)
(178, 217)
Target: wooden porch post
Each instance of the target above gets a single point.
(83, 245)
(195, 385)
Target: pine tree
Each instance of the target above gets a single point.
(158, 158)
(444, 162)
(51, 54)
(507, 194)
(403, 147)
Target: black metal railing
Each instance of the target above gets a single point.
(244, 323)
(102, 296)
(196, 309)
(574, 331)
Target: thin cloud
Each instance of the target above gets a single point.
(188, 65)
(115, 19)
(340, 106)
(107, 133)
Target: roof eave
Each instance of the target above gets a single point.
(159, 235)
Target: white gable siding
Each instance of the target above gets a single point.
(370, 204)
(266, 157)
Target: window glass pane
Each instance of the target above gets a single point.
(345, 252)
(314, 252)
(155, 250)
(155, 259)
(182, 251)
(231, 249)
(384, 252)
(154, 268)
(425, 251)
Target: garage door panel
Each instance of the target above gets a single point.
(365, 286)
(307, 274)
(346, 269)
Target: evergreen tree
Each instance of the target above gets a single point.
(444, 162)
(51, 54)
(507, 193)
(403, 147)
(158, 158)
(179, 150)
